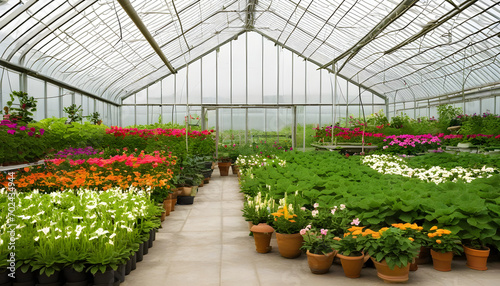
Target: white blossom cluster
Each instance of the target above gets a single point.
(393, 165)
(247, 163)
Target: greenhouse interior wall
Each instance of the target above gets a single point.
(247, 86)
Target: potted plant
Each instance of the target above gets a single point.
(335, 219)
(415, 231)
(319, 244)
(47, 260)
(392, 250)
(288, 221)
(350, 251)
(224, 161)
(103, 261)
(443, 243)
(477, 254)
(257, 212)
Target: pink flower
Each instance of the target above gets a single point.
(316, 205)
(303, 231)
(308, 227)
(42, 131)
(29, 133)
(342, 207)
(355, 221)
(303, 208)
(324, 231)
(11, 131)
(333, 211)
(22, 128)
(314, 213)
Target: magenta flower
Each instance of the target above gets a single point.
(22, 128)
(30, 133)
(324, 231)
(11, 131)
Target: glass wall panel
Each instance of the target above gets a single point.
(9, 81)
(299, 80)
(92, 105)
(36, 88)
(141, 115)
(154, 93)
(327, 85)
(238, 126)
(472, 107)
(167, 114)
(239, 88)
(497, 105)
(85, 105)
(256, 123)
(313, 83)
(67, 100)
(141, 97)
(168, 89)
(270, 72)
(129, 100)
(180, 114)
(194, 82)
(128, 115)
(180, 87)
(224, 74)
(254, 69)
(286, 70)
(53, 99)
(154, 114)
(488, 105)
(209, 78)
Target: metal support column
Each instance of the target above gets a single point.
(294, 127)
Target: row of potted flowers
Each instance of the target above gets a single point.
(75, 232)
(326, 232)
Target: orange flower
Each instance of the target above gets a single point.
(411, 239)
(438, 241)
(434, 228)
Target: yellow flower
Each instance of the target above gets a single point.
(382, 230)
(438, 241)
(434, 228)
(411, 238)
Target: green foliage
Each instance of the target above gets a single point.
(449, 161)
(471, 210)
(23, 113)
(318, 241)
(394, 246)
(488, 124)
(95, 118)
(74, 112)
(446, 113)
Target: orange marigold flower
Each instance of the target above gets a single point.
(411, 239)
(434, 228)
(438, 241)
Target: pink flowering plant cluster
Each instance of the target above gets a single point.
(335, 218)
(340, 134)
(20, 143)
(410, 144)
(318, 241)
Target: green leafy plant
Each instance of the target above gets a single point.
(318, 241)
(392, 245)
(95, 118)
(444, 240)
(74, 112)
(447, 113)
(289, 218)
(258, 209)
(23, 113)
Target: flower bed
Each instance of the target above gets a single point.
(85, 230)
(380, 200)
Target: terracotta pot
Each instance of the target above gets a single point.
(173, 202)
(352, 265)
(320, 263)
(185, 191)
(163, 216)
(262, 236)
(224, 168)
(235, 169)
(476, 258)
(167, 206)
(398, 274)
(424, 256)
(442, 261)
(413, 265)
(201, 185)
(289, 244)
(250, 224)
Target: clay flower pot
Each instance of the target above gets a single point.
(167, 206)
(424, 256)
(352, 265)
(442, 261)
(289, 244)
(224, 168)
(262, 235)
(476, 258)
(320, 263)
(398, 274)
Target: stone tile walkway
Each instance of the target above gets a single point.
(207, 243)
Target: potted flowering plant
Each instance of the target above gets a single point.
(477, 254)
(335, 219)
(392, 250)
(350, 249)
(288, 221)
(319, 244)
(443, 243)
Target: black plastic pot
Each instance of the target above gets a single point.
(44, 279)
(145, 246)
(71, 275)
(81, 283)
(133, 264)
(208, 164)
(140, 253)
(151, 238)
(106, 278)
(28, 277)
(182, 200)
(120, 273)
(128, 266)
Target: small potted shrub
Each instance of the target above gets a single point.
(443, 243)
(319, 244)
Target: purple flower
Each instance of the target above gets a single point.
(22, 128)
(42, 131)
(30, 133)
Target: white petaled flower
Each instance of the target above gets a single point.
(342, 207)
(45, 230)
(24, 217)
(314, 213)
(71, 208)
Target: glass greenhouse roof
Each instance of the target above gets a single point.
(401, 50)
